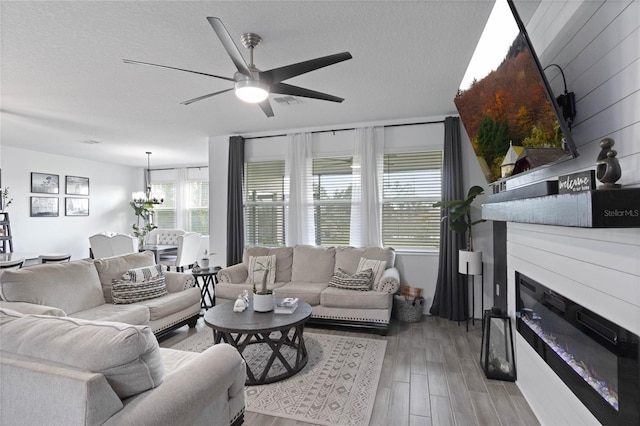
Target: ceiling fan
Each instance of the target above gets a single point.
(253, 85)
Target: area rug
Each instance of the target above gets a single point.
(337, 386)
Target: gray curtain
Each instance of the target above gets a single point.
(449, 299)
(235, 214)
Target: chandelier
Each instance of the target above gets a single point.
(146, 197)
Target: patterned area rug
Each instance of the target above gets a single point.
(337, 386)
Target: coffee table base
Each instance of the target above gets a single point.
(242, 340)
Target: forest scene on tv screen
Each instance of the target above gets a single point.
(508, 107)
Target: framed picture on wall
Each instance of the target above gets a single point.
(44, 206)
(76, 206)
(45, 183)
(76, 185)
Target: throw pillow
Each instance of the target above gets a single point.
(359, 281)
(378, 267)
(125, 292)
(260, 265)
(143, 274)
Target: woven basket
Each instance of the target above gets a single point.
(408, 309)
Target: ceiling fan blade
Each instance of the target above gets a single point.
(265, 106)
(230, 46)
(199, 98)
(276, 75)
(287, 89)
(129, 61)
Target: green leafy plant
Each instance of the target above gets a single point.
(6, 201)
(266, 267)
(459, 214)
(143, 211)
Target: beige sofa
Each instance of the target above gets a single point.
(305, 272)
(82, 289)
(68, 371)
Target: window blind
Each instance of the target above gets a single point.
(198, 207)
(411, 184)
(165, 213)
(264, 203)
(332, 200)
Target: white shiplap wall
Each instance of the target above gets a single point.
(598, 49)
(598, 46)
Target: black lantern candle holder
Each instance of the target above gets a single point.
(497, 356)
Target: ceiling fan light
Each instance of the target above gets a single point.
(251, 91)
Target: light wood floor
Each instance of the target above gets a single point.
(430, 376)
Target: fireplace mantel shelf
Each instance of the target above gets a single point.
(615, 208)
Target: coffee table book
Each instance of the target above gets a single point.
(286, 306)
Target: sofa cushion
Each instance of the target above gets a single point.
(123, 292)
(377, 268)
(30, 308)
(348, 258)
(127, 355)
(313, 264)
(258, 266)
(70, 286)
(340, 298)
(360, 281)
(164, 306)
(284, 259)
(112, 268)
(231, 291)
(305, 292)
(130, 314)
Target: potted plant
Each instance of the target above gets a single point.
(263, 298)
(204, 262)
(142, 211)
(459, 214)
(5, 201)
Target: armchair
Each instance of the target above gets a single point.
(109, 245)
(188, 252)
(164, 236)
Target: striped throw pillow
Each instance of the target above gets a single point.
(143, 274)
(124, 292)
(378, 267)
(359, 281)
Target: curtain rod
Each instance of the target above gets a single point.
(349, 128)
(176, 168)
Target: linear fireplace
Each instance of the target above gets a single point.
(596, 359)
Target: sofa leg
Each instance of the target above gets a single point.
(192, 322)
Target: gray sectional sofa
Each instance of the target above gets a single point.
(305, 272)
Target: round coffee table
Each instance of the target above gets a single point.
(274, 331)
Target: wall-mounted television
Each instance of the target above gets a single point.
(506, 104)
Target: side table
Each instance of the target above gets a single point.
(205, 278)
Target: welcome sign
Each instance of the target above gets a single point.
(577, 182)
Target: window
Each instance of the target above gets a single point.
(186, 199)
(197, 218)
(411, 184)
(264, 203)
(332, 200)
(165, 213)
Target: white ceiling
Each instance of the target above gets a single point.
(63, 80)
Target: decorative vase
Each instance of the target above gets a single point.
(470, 259)
(263, 302)
(204, 263)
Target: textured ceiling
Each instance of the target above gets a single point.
(63, 80)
